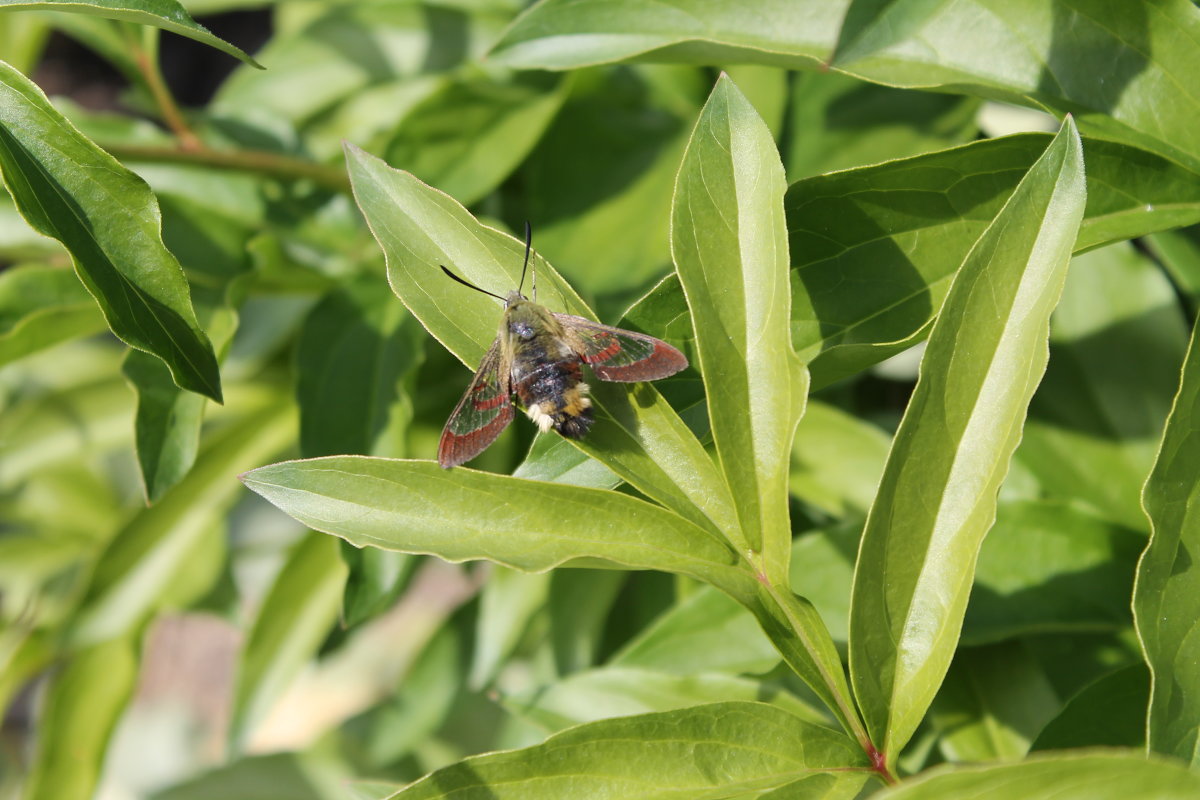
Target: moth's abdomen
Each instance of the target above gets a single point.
(555, 396)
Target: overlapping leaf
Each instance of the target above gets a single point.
(730, 247)
(937, 497)
(73, 191)
(524, 524)
(874, 249)
(637, 435)
(1029, 52)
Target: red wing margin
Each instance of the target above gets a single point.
(615, 354)
(484, 411)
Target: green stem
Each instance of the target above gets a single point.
(848, 712)
(256, 161)
(145, 55)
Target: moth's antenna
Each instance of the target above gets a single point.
(468, 283)
(528, 241)
(534, 276)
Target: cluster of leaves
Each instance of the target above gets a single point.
(768, 585)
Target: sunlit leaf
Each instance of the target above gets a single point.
(655, 755)
(937, 498)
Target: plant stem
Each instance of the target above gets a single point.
(256, 161)
(145, 54)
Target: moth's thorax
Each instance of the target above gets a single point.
(526, 322)
(546, 373)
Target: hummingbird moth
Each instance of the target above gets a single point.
(538, 356)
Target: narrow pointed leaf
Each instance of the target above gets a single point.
(295, 617)
(937, 498)
(1076, 775)
(166, 14)
(637, 434)
(140, 564)
(471, 134)
(71, 190)
(355, 351)
(168, 419)
(664, 755)
(528, 525)
(729, 241)
(622, 691)
(40, 307)
(84, 702)
(1166, 599)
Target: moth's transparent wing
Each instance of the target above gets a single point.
(484, 411)
(615, 354)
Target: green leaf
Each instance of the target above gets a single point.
(295, 776)
(637, 434)
(528, 525)
(992, 704)
(729, 241)
(1027, 52)
(356, 349)
(579, 606)
(873, 249)
(142, 561)
(837, 459)
(166, 14)
(1166, 599)
(705, 632)
(167, 424)
(64, 426)
(295, 617)
(668, 754)
(469, 136)
(70, 190)
(553, 458)
(708, 631)
(22, 38)
(40, 307)
(623, 691)
(419, 705)
(1110, 712)
(83, 703)
(1047, 55)
(1179, 253)
(1047, 567)
(377, 579)
(937, 498)
(345, 48)
(507, 604)
(837, 122)
(1080, 775)
(566, 35)
(1116, 345)
(601, 217)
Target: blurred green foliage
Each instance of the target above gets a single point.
(189, 294)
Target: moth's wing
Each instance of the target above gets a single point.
(615, 354)
(484, 411)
